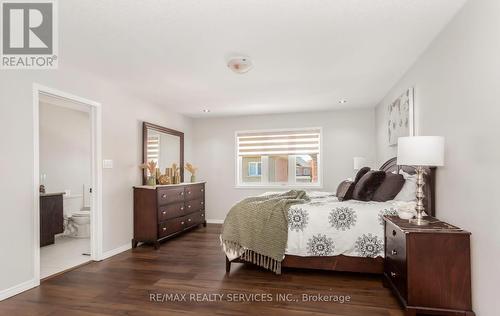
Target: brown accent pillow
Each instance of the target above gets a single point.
(367, 185)
(390, 187)
(360, 174)
(345, 190)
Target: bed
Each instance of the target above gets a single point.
(327, 234)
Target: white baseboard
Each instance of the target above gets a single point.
(114, 252)
(16, 289)
(215, 221)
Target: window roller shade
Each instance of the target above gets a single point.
(293, 142)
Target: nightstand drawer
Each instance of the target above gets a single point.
(398, 278)
(395, 248)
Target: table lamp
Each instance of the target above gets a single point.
(420, 152)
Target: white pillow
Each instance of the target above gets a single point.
(409, 191)
(319, 194)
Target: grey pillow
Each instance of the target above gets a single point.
(345, 190)
(390, 187)
(367, 185)
(360, 174)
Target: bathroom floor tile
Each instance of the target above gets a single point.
(65, 253)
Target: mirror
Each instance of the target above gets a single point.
(164, 146)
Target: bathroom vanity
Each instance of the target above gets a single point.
(51, 217)
(164, 211)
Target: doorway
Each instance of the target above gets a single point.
(67, 178)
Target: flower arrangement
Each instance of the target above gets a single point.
(151, 167)
(192, 170)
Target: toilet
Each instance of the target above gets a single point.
(79, 223)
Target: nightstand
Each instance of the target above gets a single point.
(428, 267)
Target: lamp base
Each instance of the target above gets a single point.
(419, 221)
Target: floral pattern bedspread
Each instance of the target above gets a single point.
(328, 227)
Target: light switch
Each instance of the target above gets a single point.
(107, 164)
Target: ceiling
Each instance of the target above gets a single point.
(307, 54)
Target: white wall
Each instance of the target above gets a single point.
(346, 134)
(65, 153)
(457, 90)
(122, 142)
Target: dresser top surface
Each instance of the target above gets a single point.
(154, 187)
(435, 226)
(51, 194)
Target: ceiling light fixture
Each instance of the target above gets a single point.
(342, 101)
(240, 64)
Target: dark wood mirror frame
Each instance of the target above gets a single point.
(149, 126)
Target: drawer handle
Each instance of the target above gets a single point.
(164, 196)
(393, 274)
(164, 212)
(182, 208)
(202, 190)
(394, 252)
(393, 232)
(182, 223)
(189, 219)
(202, 202)
(189, 192)
(182, 193)
(189, 206)
(164, 228)
(202, 215)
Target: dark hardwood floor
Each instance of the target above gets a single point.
(194, 263)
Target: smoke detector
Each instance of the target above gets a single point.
(240, 65)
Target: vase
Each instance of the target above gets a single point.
(193, 178)
(151, 180)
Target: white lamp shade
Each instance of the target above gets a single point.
(421, 151)
(359, 162)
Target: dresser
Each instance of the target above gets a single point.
(428, 267)
(164, 211)
(51, 217)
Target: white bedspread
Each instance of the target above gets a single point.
(327, 227)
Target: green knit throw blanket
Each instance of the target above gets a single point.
(259, 225)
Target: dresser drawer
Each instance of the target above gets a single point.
(169, 211)
(195, 191)
(194, 218)
(200, 217)
(398, 278)
(194, 206)
(170, 195)
(171, 226)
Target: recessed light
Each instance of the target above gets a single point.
(342, 101)
(206, 111)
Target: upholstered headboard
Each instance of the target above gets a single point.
(430, 180)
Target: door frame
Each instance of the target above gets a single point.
(96, 233)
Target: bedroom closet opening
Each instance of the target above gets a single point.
(65, 190)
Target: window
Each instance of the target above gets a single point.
(279, 158)
(254, 169)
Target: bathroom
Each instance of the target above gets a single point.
(65, 184)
